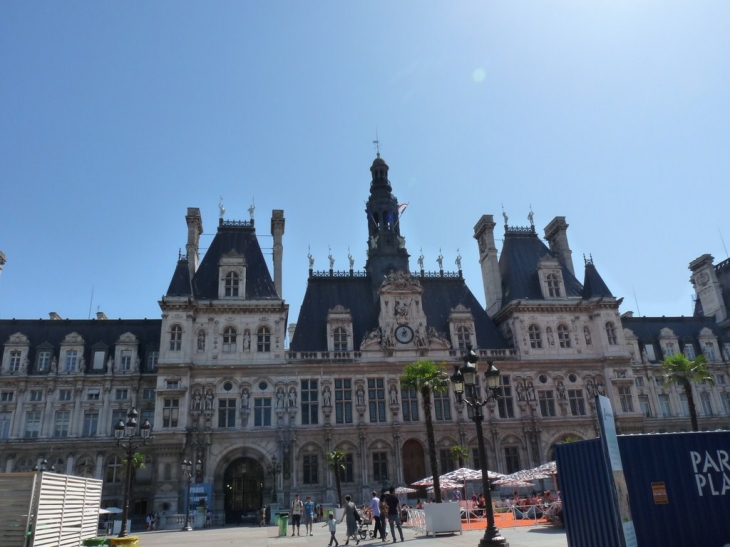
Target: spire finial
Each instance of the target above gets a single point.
(504, 215)
(531, 216)
(221, 209)
(310, 257)
(376, 142)
(252, 208)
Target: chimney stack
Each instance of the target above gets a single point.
(492, 279)
(556, 235)
(277, 231)
(195, 229)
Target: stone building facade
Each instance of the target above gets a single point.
(216, 378)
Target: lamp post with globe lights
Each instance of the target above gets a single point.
(188, 472)
(464, 383)
(274, 468)
(130, 439)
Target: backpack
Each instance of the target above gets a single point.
(353, 507)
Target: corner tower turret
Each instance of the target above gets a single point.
(386, 248)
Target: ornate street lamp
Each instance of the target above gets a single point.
(274, 468)
(187, 470)
(465, 379)
(130, 439)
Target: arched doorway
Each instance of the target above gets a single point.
(414, 463)
(243, 484)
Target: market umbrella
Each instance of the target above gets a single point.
(466, 474)
(405, 490)
(114, 510)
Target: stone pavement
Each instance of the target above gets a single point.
(248, 536)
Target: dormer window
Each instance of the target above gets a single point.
(14, 361)
(553, 285)
(231, 284)
(463, 337)
(176, 338)
(72, 357)
(340, 339)
(535, 336)
(339, 327)
(44, 361)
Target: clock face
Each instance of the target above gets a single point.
(404, 334)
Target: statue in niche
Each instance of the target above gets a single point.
(244, 399)
(550, 338)
(326, 397)
(82, 363)
(530, 391)
(393, 395)
(209, 400)
(197, 400)
(561, 390)
(201, 340)
(600, 388)
(280, 398)
(292, 397)
(360, 396)
(247, 340)
(110, 364)
(54, 364)
(587, 335)
(520, 391)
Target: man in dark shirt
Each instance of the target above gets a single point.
(393, 504)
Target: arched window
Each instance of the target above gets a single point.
(263, 339)
(535, 336)
(229, 340)
(611, 334)
(553, 285)
(564, 336)
(463, 338)
(340, 339)
(85, 467)
(176, 338)
(114, 469)
(201, 341)
(231, 284)
(23, 465)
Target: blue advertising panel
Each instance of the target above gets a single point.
(201, 494)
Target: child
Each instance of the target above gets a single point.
(332, 523)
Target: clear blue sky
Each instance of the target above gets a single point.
(117, 116)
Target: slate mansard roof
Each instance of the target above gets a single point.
(648, 329)
(440, 296)
(232, 237)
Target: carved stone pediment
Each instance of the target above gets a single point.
(73, 338)
(18, 339)
(127, 338)
(667, 333)
(400, 282)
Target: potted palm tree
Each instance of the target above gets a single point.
(682, 371)
(427, 377)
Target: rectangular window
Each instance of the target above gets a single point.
(62, 424)
(664, 407)
(343, 401)
(172, 384)
(5, 420)
(624, 395)
(44, 361)
(149, 415)
(725, 398)
(684, 405)
(644, 405)
(380, 466)
(689, 351)
(505, 403)
(547, 402)
(36, 395)
(309, 469)
(118, 415)
(669, 349)
(91, 423)
(475, 458)
(170, 412)
(512, 459)
(72, 358)
(99, 358)
(348, 473)
(148, 394)
(226, 413)
(152, 357)
(262, 412)
(64, 395)
(706, 403)
(6, 396)
(310, 402)
(376, 399)
(93, 394)
(721, 380)
(14, 363)
(442, 406)
(639, 381)
(409, 404)
(577, 402)
(121, 394)
(125, 361)
(446, 461)
(32, 424)
(650, 355)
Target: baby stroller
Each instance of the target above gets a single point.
(363, 527)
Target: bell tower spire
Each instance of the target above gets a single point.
(386, 247)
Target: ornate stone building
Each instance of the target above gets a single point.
(215, 376)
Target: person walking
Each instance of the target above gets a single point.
(391, 500)
(375, 508)
(350, 520)
(332, 523)
(308, 516)
(297, 508)
(383, 516)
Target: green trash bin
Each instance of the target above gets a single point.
(283, 524)
(94, 541)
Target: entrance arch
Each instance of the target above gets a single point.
(243, 485)
(414, 462)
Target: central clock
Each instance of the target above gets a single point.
(404, 334)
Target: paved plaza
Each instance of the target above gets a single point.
(531, 536)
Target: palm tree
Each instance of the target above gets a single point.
(682, 371)
(427, 377)
(460, 453)
(334, 462)
(137, 463)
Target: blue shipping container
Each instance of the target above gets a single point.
(678, 483)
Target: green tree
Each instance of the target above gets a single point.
(460, 453)
(427, 378)
(682, 371)
(334, 462)
(137, 463)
